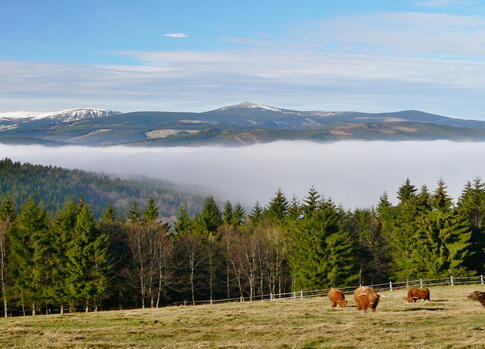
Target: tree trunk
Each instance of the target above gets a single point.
(33, 308)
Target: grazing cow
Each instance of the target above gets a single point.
(365, 298)
(336, 297)
(478, 296)
(417, 293)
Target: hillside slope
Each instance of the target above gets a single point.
(52, 186)
(448, 320)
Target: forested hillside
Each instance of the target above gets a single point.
(117, 261)
(51, 187)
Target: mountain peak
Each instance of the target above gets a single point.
(249, 105)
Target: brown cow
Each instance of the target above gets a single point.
(478, 296)
(418, 293)
(336, 297)
(365, 298)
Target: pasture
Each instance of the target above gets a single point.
(449, 320)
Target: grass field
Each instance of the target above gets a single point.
(449, 320)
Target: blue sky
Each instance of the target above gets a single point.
(197, 55)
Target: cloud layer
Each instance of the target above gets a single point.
(352, 173)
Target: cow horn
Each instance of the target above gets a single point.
(363, 294)
(381, 295)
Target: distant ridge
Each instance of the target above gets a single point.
(239, 124)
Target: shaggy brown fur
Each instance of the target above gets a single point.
(365, 298)
(418, 293)
(336, 297)
(478, 296)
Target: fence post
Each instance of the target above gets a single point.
(390, 285)
(421, 283)
(407, 283)
(270, 296)
(241, 299)
(211, 300)
(294, 295)
(301, 294)
(481, 279)
(185, 303)
(451, 281)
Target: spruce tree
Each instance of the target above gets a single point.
(183, 223)
(440, 200)
(406, 191)
(108, 215)
(150, 215)
(25, 269)
(7, 218)
(227, 213)
(87, 261)
(322, 254)
(239, 215)
(278, 206)
(133, 214)
(311, 201)
(256, 213)
(210, 217)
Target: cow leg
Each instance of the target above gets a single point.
(334, 304)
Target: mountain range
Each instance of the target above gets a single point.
(244, 123)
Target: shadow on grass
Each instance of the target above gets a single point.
(421, 309)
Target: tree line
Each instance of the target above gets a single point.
(71, 261)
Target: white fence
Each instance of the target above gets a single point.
(388, 286)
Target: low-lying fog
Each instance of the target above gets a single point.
(352, 173)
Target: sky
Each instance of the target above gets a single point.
(351, 173)
(372, 56)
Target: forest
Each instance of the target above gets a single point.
(71, 260)
(52, 186)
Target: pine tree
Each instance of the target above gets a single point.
(7, 218)
(62, 234)
(108, 215)
(321, 254)
(311, 201)
(24, 268)
(87, 261)
(133, 214)
(278, 206)
(210, 217)
(256, 213)
(227, 213)
(440, 200)
(239, 215)
(183, 223)
(294, 209)
(150, 215)
(406, 191)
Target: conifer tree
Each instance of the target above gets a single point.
(239, 215)
(256, 213)
(61, 236)
(440, 200)
(294, 209)
(150, 215)
(183, 223)
(278, 206)
(321, 254)
(311, 201)
(87, 261)
(7, 219)
(406, 191)
(24, 268)
(108, 215)
(210, 217)
(227, 213)
(133, 214)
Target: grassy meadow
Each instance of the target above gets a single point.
(449, 320)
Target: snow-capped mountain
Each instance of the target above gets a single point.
(250, 105)
(68, 115)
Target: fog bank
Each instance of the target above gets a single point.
(352, 173)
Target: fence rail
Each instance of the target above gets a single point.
(387, 286)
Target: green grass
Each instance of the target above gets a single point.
(449, 320)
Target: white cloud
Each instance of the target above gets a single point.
(176, 35)
(445, 3)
